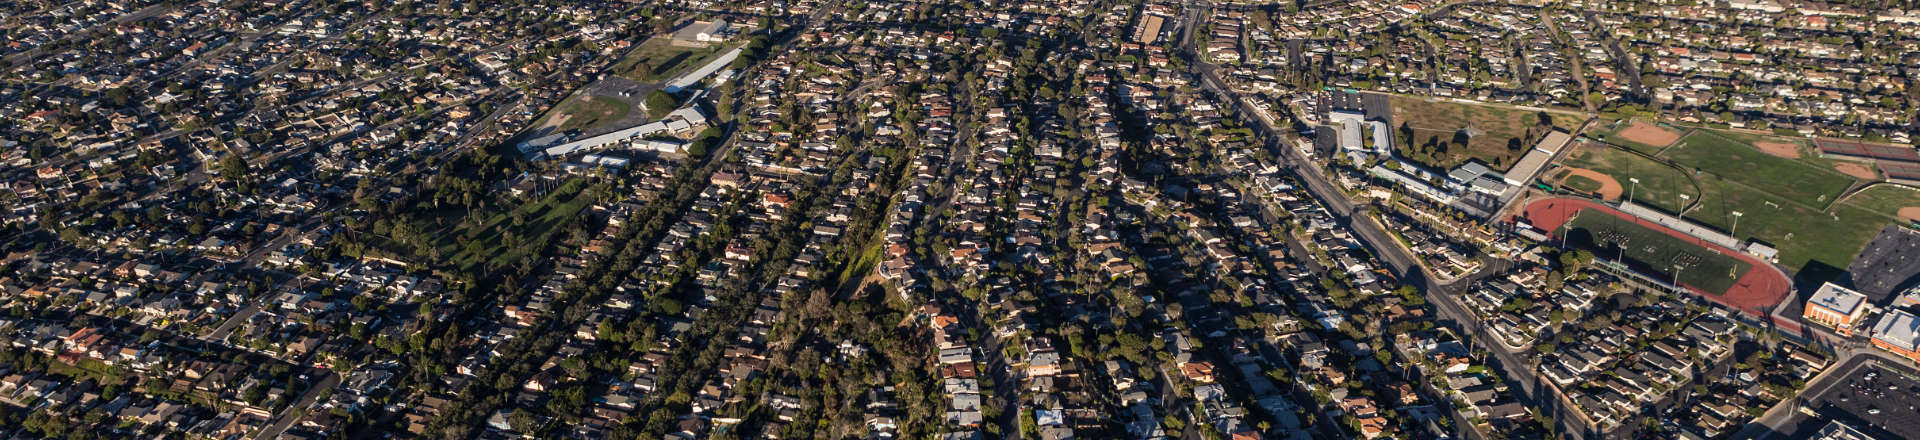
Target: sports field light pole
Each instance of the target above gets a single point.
(1630, 189)
(1735, 232)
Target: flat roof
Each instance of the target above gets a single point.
(1529, 165)
(1838, 299)
(1537, 158)
(1554, 140)
(1840, 431)
(1898, 328)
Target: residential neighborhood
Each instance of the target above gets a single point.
(881, 219)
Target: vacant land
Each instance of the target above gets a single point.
(1660, 186)
(1652, 251)
(585, 112)
(1737, 159)
(658, 60)
(1445, 134)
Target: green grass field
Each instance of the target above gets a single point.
(589, 111)
(1504, 134)
(1802, 234)
(477, 242)
(1653, 251)
(1787, 203)
(1660, 185)
(1885, 199)
(658, 59)
(1738, 160)
(1582, 184)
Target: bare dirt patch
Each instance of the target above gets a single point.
(1779, 149)
(1649, 134)
(1857, 170)
(1910, 213)
(1609, 189)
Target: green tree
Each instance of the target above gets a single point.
(233, 167)
(659, 103)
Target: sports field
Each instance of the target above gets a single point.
(1718, 274)
(1785, 197)
(588, 111)
(1660, 185)
(1639, 135)
(1890, 200)
(658, 59)
(1653, 252)
(1740, 160)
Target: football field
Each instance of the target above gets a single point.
(1653, 252)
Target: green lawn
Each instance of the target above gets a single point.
(1784, 202)
(541, 221)
(586, 112)
(1885, 199)
(1500, 134)
(1582, 184)
(658, 59)
(1660, 185)
(480, 241)
(1739, 161)
(1653, 251)
(1802, 234)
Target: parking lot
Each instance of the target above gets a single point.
(1880, 399)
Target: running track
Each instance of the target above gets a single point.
(1754, 293)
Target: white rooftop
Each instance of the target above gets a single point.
(1838, 299)
(1900, 329)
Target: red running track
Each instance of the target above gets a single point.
(1756, 292)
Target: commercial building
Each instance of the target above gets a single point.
(1352, 128)
(682, 123)
(1839, 431)
(1837, 307)
(1898, 332)
(702, 33)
